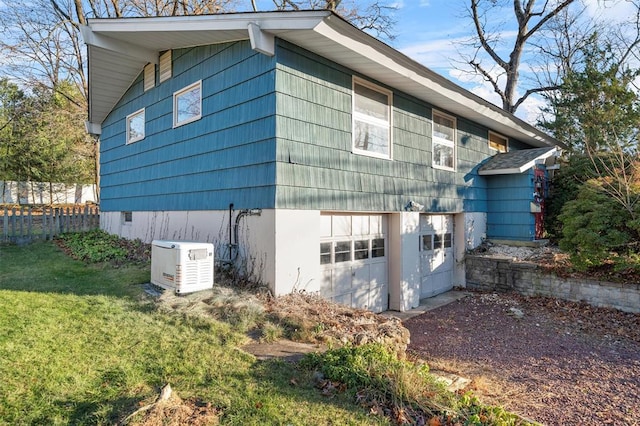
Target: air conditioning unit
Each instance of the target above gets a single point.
(183, 267)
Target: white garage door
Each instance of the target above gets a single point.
(436, 254)
(353, 260)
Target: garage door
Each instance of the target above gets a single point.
(436, 254)
(353, 260)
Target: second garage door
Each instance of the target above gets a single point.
(436, 254)
(353, 260)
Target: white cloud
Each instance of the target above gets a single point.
(613, 10)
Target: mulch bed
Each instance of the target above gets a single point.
(552, 361)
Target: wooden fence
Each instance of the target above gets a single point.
(24, 224)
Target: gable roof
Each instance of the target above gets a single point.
(515, 162)
(119, 48)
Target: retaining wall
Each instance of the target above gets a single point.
(502, 274)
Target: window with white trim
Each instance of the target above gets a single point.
(135, 126)
(371, 119)
(498, 142)
(149, 76)
(187, 104)
(349, 250)
(165, 66)
(127, 218)
(444, 137)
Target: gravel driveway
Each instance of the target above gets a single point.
(555, 362)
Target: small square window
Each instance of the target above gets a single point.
(427, 243)
(498, 142)
(187, 104)
(361, 249)
(441, 241)
(135, 126)
(446, 243)
(325, 253)
(127, 217)
(343, 251)
(377, 247)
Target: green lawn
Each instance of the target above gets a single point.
(80, 345)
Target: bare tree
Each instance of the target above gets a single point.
(374, 16)
(499, 66)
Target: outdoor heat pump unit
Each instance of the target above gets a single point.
(183, 267)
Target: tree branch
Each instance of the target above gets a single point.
(488, 78)
(482, 37)
(550, 15)
(531, 92)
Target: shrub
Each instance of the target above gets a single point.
(595, 229)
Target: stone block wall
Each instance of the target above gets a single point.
(502, 274)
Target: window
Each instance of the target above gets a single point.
(325, 253)
(165, 66)
(371, 120)
(135, 126)
(427, 243)
(149, 77)
(361, 249)
(377, 247)
(442, 241)
(444, 137)
(187, 104)
(498, 142)
(127, 218)
(343, 251)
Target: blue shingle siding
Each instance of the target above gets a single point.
(277, 132)
(316, 168)
(228, 156)
(509, 216)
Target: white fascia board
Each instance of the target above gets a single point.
(512, 171)
(91, 38)
(267, 21)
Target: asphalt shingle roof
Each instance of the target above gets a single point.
(514, 161)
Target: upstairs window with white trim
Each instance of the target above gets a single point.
(165, 66)
(444, 145)
(187, 104)
(135, 126)
(371, 119)
(498, 142)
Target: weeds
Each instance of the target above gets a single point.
(271, 332)
(401, 390)
(99, 246)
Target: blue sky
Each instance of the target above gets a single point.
(433, 32)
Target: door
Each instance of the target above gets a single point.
(436, 254)
(353, 260)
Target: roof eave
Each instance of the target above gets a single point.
(333, 38)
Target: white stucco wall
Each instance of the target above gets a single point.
(201, 226)
(296, 233)
(475, 229)
(295, 265)
(298, 257)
